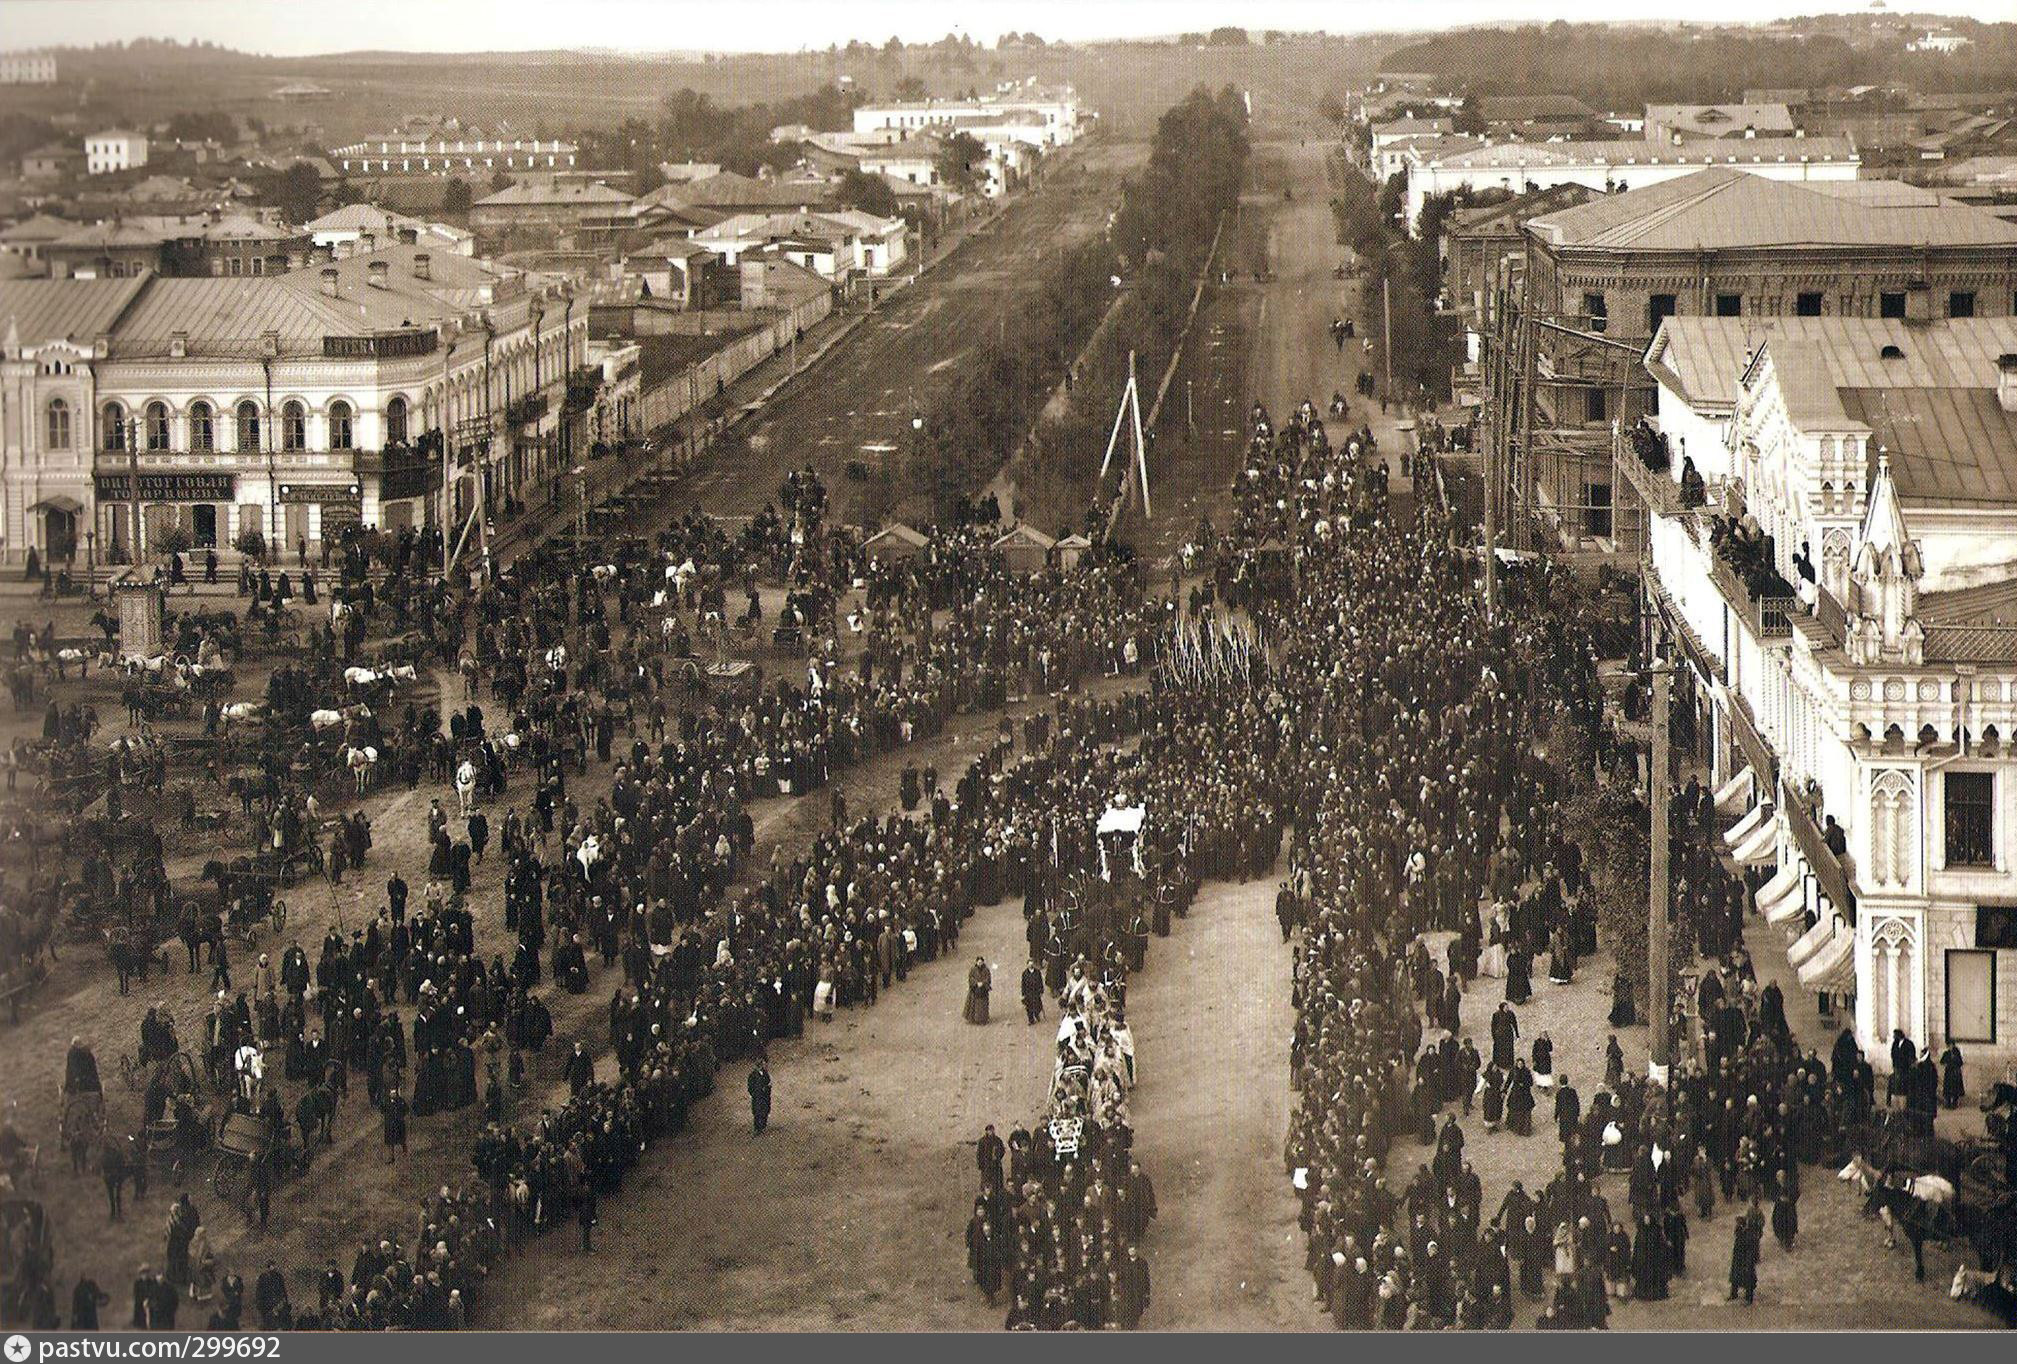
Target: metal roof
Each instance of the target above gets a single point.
(1624, 154)
(1948, 446)
(80, 310)
(1725, 208)
(561, 192)
(1721, 120)
(1704, 358)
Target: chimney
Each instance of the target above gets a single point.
(2006, 381)
(374, 274)
(1918, 303)
(408, 236)
(1675, 137)
(178, 344)
(367, 242)
(1750, 130)
(1800, 131)
(423, 266)
(329, 280)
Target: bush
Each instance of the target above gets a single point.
(172, 540)
(251, 544)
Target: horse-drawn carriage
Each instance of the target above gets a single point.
(244, 1141)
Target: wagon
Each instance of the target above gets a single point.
(242, 1142)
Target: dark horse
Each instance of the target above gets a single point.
(1991, 1230)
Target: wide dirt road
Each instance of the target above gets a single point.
(857, 402)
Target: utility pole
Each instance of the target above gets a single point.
(1491, 529)
(1387, 329)
(1659, 997)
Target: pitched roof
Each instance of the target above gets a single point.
(1703, 358)
(43, 227)
(729, 190)
(1521, 108)
(79, 310)
(1726, 208)
(1622, 155)
(559, 192)
(1505, 217)
(1721, 120)
(1947, 445)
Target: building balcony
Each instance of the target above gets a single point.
(524, 411)
(1762, 599)
(1832, 871)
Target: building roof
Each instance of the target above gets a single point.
(1023, 533)
(1725, 208)
(80, 310)
(1623, 155)
(557, 192)
(730, 190)
(54, 151)
(114, 132)
(43, 227)
(1505, 217)
(1703, 358)
(896, 532)
(669, 248)
(1721, 120)
(1412, 127)
(812, 227)
(1948, 446)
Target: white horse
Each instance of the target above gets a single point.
(1937, 1190)
(361, 762)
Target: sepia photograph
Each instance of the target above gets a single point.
(1004, 665)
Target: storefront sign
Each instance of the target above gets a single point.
(327, 494)
(170, 487)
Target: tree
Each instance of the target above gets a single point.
(455, 197)
(959, 160)
(1228, 36)
(500, 181)
(1470, 118)
(909, 88)
(296, 192)
(869, 193)
(1330, 110)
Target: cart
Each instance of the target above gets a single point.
(242, 1142)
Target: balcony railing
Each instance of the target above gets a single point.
(1760, 596)
(1829, 869)
(1751, 743)
(526, 410)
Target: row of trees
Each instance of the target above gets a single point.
(1613, 67)
(1405, 274)
(690, 126)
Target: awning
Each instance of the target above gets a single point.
(1778, 888)
(1740, 832)
(1762, 846)
(60, 502)
(1127, 820)
(1834, 966)
(1730, 797)
(1788, 908)
(1803, 948)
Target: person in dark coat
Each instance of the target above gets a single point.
(759, 1095)
(1033, 990)
(1745, 1245)
(393, 1112)
(1785, 1215)
(1650, 1264)
(85, 1300)
(988, 1154)
(1951, 1088)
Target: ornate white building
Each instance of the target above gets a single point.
(1854, 667)
(288, 405)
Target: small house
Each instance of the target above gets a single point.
(1025, 549)
(894, 541)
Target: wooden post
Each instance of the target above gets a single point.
(1387, 326)
(1659, 998)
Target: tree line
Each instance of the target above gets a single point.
(1609, 67)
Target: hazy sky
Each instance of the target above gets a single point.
(297, 27)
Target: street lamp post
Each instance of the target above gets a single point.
(580, 506)
(1659, 994)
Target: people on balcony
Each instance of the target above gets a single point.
(1749, 552)
(1693, 491)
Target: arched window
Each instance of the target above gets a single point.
(248, 425)
(59, 425)
(395, 422)
(157, 426)
(202, 427)
(293, 427)
(113, 429)
(339, 426)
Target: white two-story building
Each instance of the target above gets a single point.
(1851, 651)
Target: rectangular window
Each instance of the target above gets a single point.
(1891, 303)
(1597, 513)
(1593, 308)
(1659, 307)
(1971, 996)
(1961, 303)
(1807, 305)
(1971, 818)
(1593, 405)
(1729, 305)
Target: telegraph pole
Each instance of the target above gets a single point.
(1659, 996)
(1491, 528)
(1387, 327)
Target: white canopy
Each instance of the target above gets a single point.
(1740, 832)
(1835, 964)
(1123, 820)
(1732, 794)
(1810, 942)
(1787, 908)
(1762, 846)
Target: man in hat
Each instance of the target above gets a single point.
(759, 1094)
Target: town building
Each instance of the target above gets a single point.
(185, 245)
(1940, 41)
(673, 270)
(1480, 242)
(1675, 124)
(361, 228)
(27, 68)
(544, 210)
(446, 148)
(1524, 166)
(289, 406)
(836, 244)
(1386, 134)
(115, 149)
(1535, 118)
(1045, 120)
(55, 161)
(1848, 658)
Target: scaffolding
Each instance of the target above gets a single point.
(1554, 388)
